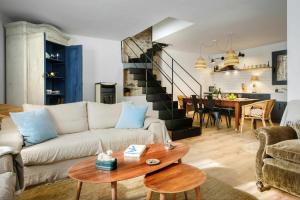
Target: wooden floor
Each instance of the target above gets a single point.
(230, 157)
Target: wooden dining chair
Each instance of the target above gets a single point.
(189, 106)
(257, 111)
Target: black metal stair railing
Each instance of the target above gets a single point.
(146, 74)
(169, 78)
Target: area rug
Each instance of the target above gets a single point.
(133, 189)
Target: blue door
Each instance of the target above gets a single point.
(73, 76)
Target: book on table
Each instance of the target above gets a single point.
(134, 150)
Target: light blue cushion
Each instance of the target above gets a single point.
(132, 116)
(35, 126)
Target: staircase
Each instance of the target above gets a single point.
(175, 119)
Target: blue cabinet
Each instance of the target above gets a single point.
(73, 74)
(63, 73)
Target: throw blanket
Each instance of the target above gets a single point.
(291, 116)
(159, 131)
(17, 165)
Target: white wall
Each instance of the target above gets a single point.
(227, 81)
(293, 46)
(101, 63)
(232, 81)
(3, 20)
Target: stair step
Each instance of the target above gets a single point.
(154, 90)
(142, 77)
(139, 71)
(167, 114)
(185, 132)
(176, 124)
(158, 97)
(151, 83)
(164, 105)
(137, 60)
(146, 57)
(137, 65)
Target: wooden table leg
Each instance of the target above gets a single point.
(237, 114)
(149, 195)
(79, 185)
(197, 191)
(114, 191)
(185, 196)
(162, 196)
(174, 196)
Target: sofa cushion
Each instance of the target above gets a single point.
(64, 147)
(67, 118)
(103, 115)
(35, 126)
(119, 139)
(83, 144)
(132, 116)
(285, 150)
(7, 186)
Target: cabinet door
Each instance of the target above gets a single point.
(73, 74)
(35, 68)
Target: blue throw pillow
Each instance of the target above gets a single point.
(35, 126)
(132, 116)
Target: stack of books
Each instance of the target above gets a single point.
(134, 151)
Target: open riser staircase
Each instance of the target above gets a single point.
(175, 119)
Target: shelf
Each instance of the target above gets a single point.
(55, 94)
(246, 69)
(58, 78)
(257, 68)
(54, 60)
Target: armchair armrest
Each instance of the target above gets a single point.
(269, 136)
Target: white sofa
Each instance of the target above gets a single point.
(84, 129)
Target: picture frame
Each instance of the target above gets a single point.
(279, 67)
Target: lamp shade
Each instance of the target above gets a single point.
(231, 58)
(200, 63)
(254, 78)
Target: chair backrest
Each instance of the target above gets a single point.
(269, 107)
(195, 101)
(210, 101)
(180, 100)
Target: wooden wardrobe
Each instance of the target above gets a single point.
(41, 66)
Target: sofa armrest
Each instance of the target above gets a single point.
(6, 163)
(158, 128)
(269, 136)
(11, 138)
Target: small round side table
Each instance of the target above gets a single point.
(174, 179)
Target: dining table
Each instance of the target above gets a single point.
(236, 104)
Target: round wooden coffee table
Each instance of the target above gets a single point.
(86, 171)
(174, 179)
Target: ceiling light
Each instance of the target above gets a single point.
(200, 63)
(231, 58)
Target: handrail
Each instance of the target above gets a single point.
(176, 73)
(153, 62)
(170, 67)
(147, 81)
(180, 66)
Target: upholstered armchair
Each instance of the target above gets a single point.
(278, 157)
(257, 111)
